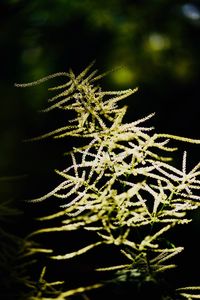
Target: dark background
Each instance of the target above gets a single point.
(157, 43)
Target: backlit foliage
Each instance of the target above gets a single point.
(120, 181)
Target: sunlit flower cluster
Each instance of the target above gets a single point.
(121, 180)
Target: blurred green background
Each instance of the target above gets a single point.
(157, 43)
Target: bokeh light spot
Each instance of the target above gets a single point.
(158, 42)
(191, 11)
(123, 77)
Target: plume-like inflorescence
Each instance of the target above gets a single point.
(121, 181)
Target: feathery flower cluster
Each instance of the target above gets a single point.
(121, 181)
